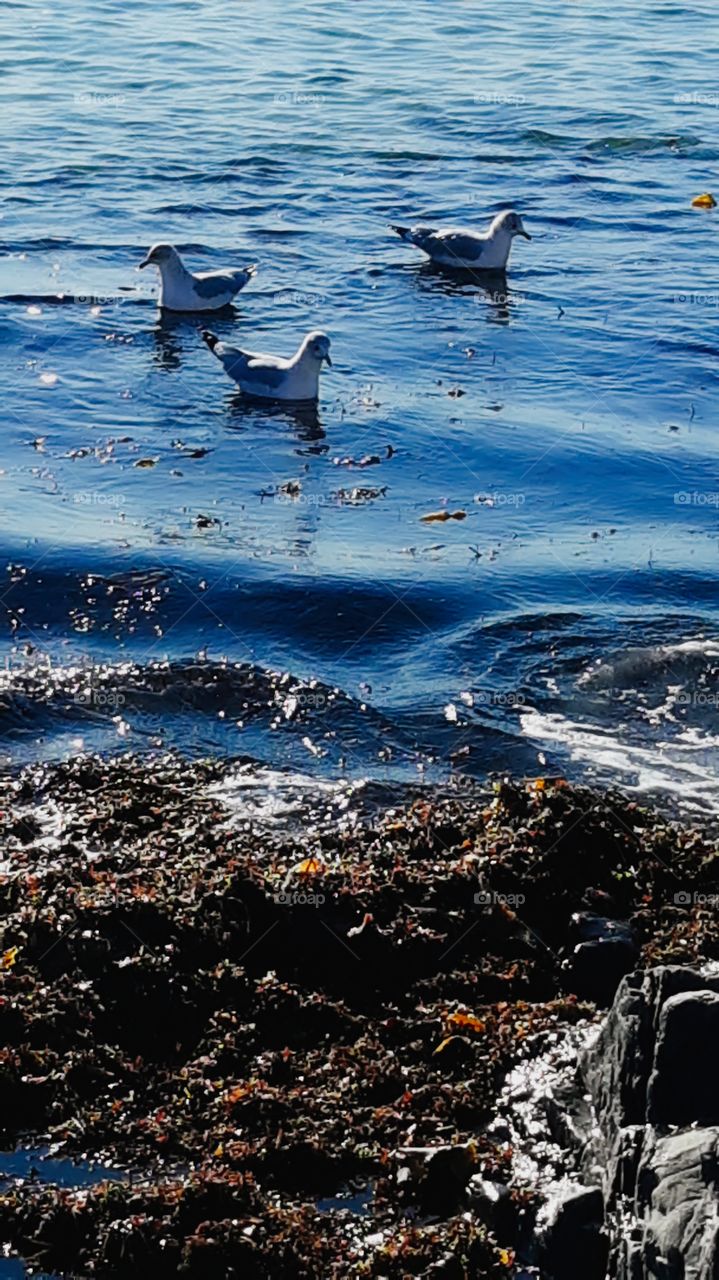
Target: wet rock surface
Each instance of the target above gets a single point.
(650, 1138)
(267, 1022)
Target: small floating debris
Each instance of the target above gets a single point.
(368, 460)
(433, 516)
(704, 201)
(48, 379)
(200, 451)
(355, 497)
(146, 462)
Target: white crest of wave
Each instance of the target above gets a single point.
(665, 766)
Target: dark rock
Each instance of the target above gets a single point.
(684, 1083)
(493, 1205)
(618, 1066)
(654, 1065)
(604, 951)
(573, 1242)
(435, 1178)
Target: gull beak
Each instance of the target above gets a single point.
(146, 263)
(524, 233)
(327, 358)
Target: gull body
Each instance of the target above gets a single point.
(181, 290)
(468, 250)
(272, 377)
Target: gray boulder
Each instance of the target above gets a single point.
(651, 1146)
(677, 1196)
(652, 1077)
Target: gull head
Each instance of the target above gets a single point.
(511, 223)
(317, 346)
(161, 255)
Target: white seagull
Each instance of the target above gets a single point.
(475, 250)
(181, 290)
(271, 377)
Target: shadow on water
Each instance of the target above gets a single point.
(489, 286)
(173, 333)
(304, 417)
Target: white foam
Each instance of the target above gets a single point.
(269, 795)
(661, 766)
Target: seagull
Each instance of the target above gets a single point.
(271, 377)
(181, 290)
(478, 250)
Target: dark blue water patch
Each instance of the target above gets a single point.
(33, 1164)
(355, 1201)
(15, 1269)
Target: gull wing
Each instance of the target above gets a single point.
(462, 245)
(212, 284)
(265, 371)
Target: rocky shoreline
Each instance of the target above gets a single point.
(296, 1036)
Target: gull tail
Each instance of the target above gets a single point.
(210, 338)
(251, 269)
(402, 232)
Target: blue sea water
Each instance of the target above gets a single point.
(569, 621)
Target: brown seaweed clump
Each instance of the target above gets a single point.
(294, 1037)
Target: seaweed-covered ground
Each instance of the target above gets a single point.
(269, 1023)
